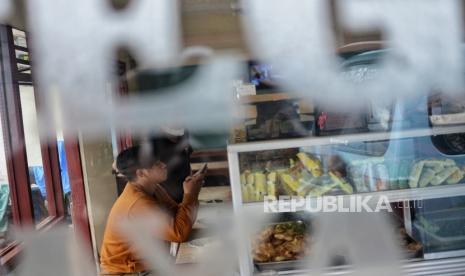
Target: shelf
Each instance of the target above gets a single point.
(343, 139)
(211, 165)
(253, 99)
(414, 267)
(447, 119)
(392, 196)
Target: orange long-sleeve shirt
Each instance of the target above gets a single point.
(117, 255)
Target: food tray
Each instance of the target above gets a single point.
(453, 218)
(284, 265)
(279, 266)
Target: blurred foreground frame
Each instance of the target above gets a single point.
(84, 93)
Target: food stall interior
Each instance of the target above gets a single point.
(410, 151)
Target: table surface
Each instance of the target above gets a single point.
(188, 254)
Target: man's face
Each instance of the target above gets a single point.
(156, 174)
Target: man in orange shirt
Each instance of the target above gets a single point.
(144, 193)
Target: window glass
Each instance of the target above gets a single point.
(34, 154)
(64, 177)
(6, 215)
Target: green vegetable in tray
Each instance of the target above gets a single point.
(435, 172)
(456, 177)
(296, 227)
(438, 168)
(436, 163)
(443, 175)
(426, 177)
(415, 174)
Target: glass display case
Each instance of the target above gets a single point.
(401, 165)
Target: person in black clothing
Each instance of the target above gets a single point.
(173, 144)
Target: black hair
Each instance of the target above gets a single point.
(134, 158)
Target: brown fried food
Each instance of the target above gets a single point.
(259, 258)
(296, 245)
(285, 237)
(288, 254)
(276, 242)
(266, 249)
(414, 246)
(279, 250)
(291, 232)
(281, 242)
(266, 234)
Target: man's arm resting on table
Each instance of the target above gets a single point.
(174, 228)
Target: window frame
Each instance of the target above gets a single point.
(17, 165)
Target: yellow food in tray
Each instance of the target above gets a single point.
(260, 185)
(344, 185)
(244, 186)
(256, 185)
(322, 190)
(290, 183)
(244, 193)
(272, 178)
(253, 187)
(243, 178)
(250, 179)
(251, 193)
(305, 177)
(311, 163)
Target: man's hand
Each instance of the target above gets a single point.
(193, 184)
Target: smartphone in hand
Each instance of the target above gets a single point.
(202, 170)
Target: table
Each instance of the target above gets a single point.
(188, 254)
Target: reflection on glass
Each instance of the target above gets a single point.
(19, 38)
(6, 217)
(65, 178)
(33, 151)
